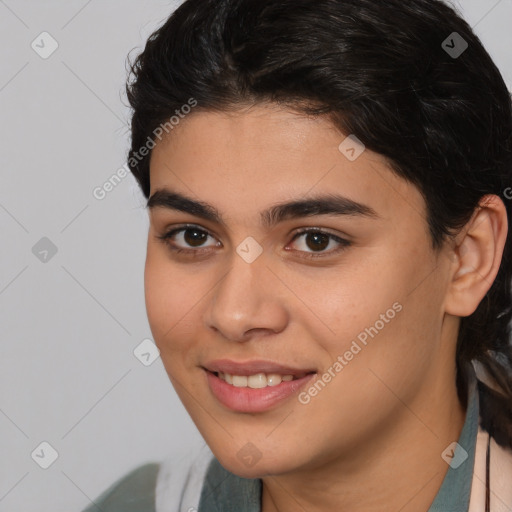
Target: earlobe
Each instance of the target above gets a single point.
(477, 256)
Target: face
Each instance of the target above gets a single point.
(339, 291)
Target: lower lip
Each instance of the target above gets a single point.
(253, 400)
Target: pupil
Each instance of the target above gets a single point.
(197, 238)
(321, 240)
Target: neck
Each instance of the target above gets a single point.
(401, 467)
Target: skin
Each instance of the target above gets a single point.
(374, 435)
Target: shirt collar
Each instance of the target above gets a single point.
(454, 493)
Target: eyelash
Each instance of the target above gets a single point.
(166, 237)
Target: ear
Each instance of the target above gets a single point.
(476, 257)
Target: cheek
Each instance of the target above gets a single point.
(169, 299)
(347, 301)
(371, 318)
(158, 295)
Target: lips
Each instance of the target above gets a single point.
(253, 367)
(225, 380)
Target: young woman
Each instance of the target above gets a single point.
(328, 272)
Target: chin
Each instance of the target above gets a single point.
(249, 462)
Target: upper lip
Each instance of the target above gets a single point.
(252, 367)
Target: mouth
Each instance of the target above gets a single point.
(256, 386)
(258, 380)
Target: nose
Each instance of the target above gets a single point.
(248, 301)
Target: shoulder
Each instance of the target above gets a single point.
(134, 492)
(172, 485)
(180, 481)
(500, 475)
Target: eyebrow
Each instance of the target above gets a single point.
(326, 204)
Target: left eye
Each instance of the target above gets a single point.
(314, 239)
(318, 240)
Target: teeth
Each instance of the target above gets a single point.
(239, 381)
(273, 379)
(256, 381)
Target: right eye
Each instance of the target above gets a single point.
(189, 236)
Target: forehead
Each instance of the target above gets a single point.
(251, 158)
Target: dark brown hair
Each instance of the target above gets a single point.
(381, 71)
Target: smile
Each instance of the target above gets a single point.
(256, 381)
(255, 391)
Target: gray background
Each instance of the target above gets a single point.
(70, 324)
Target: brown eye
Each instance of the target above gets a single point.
(315, 241)
(185, 238)
(191, 240)
(194, 237)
